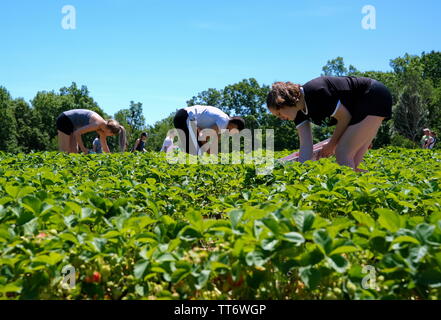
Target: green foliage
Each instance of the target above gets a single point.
(336, 67)
(154, 230)
(8, 125)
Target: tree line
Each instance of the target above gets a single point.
(415, 84)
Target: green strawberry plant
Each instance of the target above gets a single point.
(139, 227)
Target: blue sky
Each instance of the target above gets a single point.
(162, 53)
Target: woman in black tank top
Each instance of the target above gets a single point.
(356, 106)
(72, 124)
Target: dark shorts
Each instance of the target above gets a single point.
(64, 124)
(377, 101)
(180, 122)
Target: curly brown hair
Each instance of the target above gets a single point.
(283, 94)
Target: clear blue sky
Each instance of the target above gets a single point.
(162, 53)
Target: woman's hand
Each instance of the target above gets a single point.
(327, 150)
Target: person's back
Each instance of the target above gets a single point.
(208, 116)
(79, 117)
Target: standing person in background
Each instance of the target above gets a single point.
(425, 138)
(97, 148)
(140, 143)
(72, 124)
(168, 145)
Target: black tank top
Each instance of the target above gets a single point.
(322, 95)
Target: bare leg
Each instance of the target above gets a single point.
(73, 146)
(355, 141)
(63, 142)
(360, 154)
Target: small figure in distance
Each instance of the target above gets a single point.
(432, 140)
(140, 143)
(426, 137)
(96, 145)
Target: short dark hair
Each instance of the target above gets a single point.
(144, 134)
(239, 122)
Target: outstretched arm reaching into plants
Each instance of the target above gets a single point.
(305, 136)
(343, 118)
(79, 132)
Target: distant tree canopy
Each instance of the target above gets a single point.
(415, 84)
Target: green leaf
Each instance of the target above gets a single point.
(190, 234)
(363, 218)
(304, 220)
(310, 277)
(141, 268)
(323, 240)
(31, 203)
(255, 258)
(202, 279)
(50, 259)
(269, 244)
(14, 287)
(272, 225)
(294, 237)
(179, 274)
(338, 263)
(409, 239)
(423, 232)
(389, 219)
(235, 217)
(344, 249)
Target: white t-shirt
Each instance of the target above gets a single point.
(167, 146)
(207, 116)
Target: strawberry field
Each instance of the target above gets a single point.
(138, 227)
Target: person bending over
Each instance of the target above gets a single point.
(204, 117)
(356, 106)
(72, 124)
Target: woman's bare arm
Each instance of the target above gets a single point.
(104, 145)
(306, 145)
(79, 132)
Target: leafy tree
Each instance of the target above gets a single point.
(8, 125)
(29, 134)
(336, 67)
(210, 97)
(411, 113)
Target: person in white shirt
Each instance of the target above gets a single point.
(205, 117)
(168, 145)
